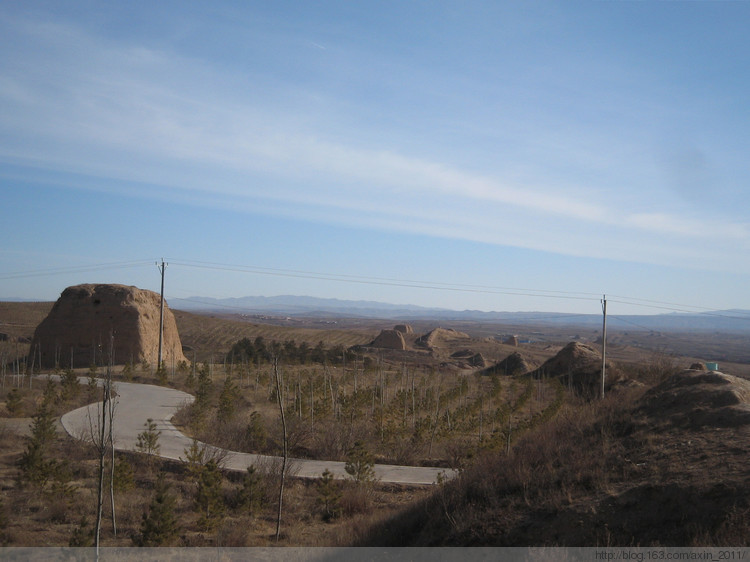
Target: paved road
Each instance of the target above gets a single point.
(138, 402)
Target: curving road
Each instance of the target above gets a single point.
(135, 403)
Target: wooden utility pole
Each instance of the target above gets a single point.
(161, 267)
(604, 342)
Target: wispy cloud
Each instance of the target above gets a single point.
(79, 104)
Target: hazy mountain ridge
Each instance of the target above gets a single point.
(731, 321)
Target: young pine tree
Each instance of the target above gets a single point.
(13, 402)
(209, 501)
(159, 524)
(35, 467)
(70, 387)
(328, 496)
(148, 440)
(360, 464)
(202, 396)
(252, 494)
(227, 400)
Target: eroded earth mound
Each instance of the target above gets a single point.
(79, 326)
(469, 358)
(390, 339)
(698, 399)
(441, 337)
(578, 366)
(514, 364)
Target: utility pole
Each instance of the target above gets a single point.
(604, 341)
(161, 267)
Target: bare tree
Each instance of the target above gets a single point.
(437, 412)
(111, 416)
(279, 386)
(102, 437)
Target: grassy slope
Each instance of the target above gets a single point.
(606, 474)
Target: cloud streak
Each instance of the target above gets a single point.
(124, 113)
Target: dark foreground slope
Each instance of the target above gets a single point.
(668, 466)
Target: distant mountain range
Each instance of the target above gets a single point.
(729, 321)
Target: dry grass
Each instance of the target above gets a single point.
(47, 518)
(402, 428)
(598, 475)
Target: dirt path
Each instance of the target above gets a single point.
(138, 402)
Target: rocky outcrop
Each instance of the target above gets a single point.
(83, 318)
(390, 339)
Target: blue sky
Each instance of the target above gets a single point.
(563, 149)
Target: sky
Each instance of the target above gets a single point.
(467, 155)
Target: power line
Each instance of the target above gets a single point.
(391, 282)
(701, 312)
(621, 319)
(387, 282)
(74, 269)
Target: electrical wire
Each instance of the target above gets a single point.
(483, 289)
(685, 310)
(387, 281)
(74, 269)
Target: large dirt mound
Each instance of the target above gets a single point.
(390, 339)
(84, 316)
(697, 399)
(441, 337)
(575, 356)
(514, 364)
(578, 366)
(469, 358)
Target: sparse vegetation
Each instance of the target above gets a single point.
(82, 535)
(123, 476)
(209, 501)
(534, 457)
(329, 496)
(13, 402)
(359, 464)
(159, 524)
(37, 468)
(148, 440)
(252, 497)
